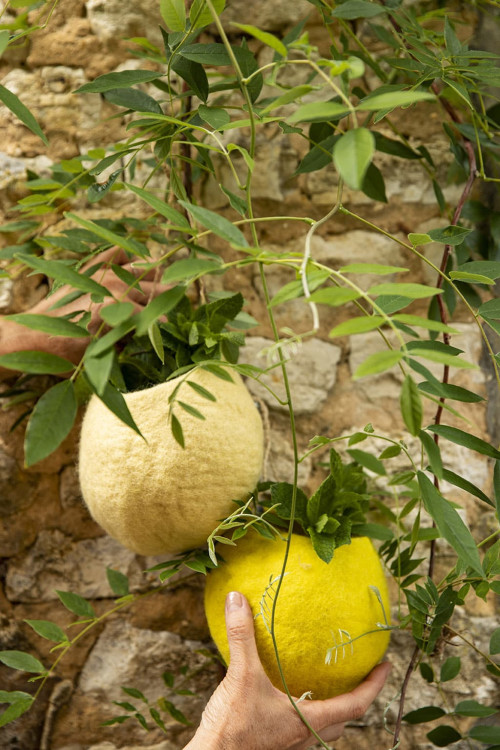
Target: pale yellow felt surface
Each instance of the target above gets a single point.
(317, 601)
(154, 497)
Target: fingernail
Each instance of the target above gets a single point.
(234, 600)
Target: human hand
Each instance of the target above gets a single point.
(247, 712)
(15, 337)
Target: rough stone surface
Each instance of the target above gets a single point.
(311, 373)
(272, 16)
(55, 562)
(119, 19)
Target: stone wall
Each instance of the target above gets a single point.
(48, 541)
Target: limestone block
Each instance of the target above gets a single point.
(280, 461)
(72, 45)
(311, 371)
(359, 246)
(13, 170)
(384, 384)
(273, 16)
(118, 19)
(47, 92)
(5, 293)
(124, 655)
(56, 562)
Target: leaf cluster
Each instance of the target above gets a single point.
(331, 514)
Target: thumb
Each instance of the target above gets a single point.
(240, 632)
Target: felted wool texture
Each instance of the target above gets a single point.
(317, 605)
(156, 497)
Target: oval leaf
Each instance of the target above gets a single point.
(38, 363)
(20, 660)
(352, 154)
(411, 405)
(20, 110)
(50, 422)
(378, 362)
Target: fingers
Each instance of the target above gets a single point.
(240, 633)
(351, 705)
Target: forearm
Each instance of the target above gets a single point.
(17, 338)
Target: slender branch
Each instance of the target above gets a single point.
(404, 688)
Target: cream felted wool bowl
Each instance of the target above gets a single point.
(156, 497)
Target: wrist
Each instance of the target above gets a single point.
(207, 739)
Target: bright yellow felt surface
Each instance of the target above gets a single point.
(316, 603)
(155, 497)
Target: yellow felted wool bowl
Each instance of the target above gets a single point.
(320, 606)
(156, 497)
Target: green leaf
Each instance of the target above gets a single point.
(191, 410)
(418, 239)
(324, 111)
(433, 453)
(15, 710)
(263, 36)
(471, 278)
(236, 202)
(450, 525)
(450, 669)
(219, 225)
(412, 291)
(113, 399)
(198, 19)
(130, 245)
(378, 362)
(76, 604)
(118, 582)
(38, 363)
(323, 544)
(214, 116)
(390, 452)
(421, 715)
(335, 296)
(454, 392)
(201, 390)
(473, 708)
(458, 481)
(173, 13)
(194, 75)
(4, 40)
(20, 110)
(491, 269)
(49, 324)
(373, 268)
(353, 9)
(177, 431)
(390, 100)
(188, 269)
(20, 660)
(50, 422)
(368, 461)
(495, 642)
(429, 350)
(48, 630)
(490, 309)
(292, 95)
(294, 289)
(486, 734)
(395, 148)
(444, 735)
(352, 154)
(450, 235)
(160, 305)
(175, 217)
(418, 322)
(318, 156)
(133, 99)
(411, 405)
(459, 437)
(116, 313)
(60, 271)
(373, 530)
(134, 693)
(155, 337)
(121, 80)
(357, 325)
